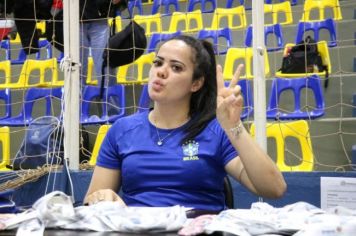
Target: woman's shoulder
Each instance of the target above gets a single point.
(214, 126)
(130, 122)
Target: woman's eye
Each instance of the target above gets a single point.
(176, 68)
(157, 62)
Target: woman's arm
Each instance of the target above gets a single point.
(253, 168)
(104, 185)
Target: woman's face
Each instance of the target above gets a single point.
(171, 75)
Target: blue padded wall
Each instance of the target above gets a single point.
(302, 186)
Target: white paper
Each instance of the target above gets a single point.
(337, 191)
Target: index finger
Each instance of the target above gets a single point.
(219, 77)
(236, 76)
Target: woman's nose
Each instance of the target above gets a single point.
(162, 72)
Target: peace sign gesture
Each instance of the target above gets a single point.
(229, 99)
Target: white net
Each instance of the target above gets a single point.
(328, 119)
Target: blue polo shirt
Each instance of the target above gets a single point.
(189, 174)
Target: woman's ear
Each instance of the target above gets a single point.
(197, 84)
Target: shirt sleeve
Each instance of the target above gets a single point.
(109, 155)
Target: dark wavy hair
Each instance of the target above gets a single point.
(203, 102)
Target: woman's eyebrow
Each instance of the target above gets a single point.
(172, 60)
(177, 61)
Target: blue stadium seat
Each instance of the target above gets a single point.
(32, 95)
(246, 90)
(144, 102)
(133, 5)
(293, 2)
(60, 56)
(111, 105)
(90, 95)
(280, 85)
(157, 4)
(5, 96)
(114, 107)
(5, 45)
(204, 5)
(42, 44)
(215, 35)
(230, 3)
(158, 37)
(316, 26)
(275, 29)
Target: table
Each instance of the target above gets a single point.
(59, 232)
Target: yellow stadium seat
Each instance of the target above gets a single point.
(324, 53)
(118, 23)
(230, 14)
(149, 21)
(5, 67)
(90, 67)
(191, 22)
(277, 8)
(321, 5)
(296, 129)
(98, 141)
(16, 40)
(245, 54)
(41, 26)
(5, 142)
(123, 76)
(42, 66)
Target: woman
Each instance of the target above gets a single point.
(179, 152)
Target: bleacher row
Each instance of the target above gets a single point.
(167, 7)
(231, 53)
(298, 129)
(215, 33)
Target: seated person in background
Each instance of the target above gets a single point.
(179, 152)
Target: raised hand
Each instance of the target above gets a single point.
(229, 100)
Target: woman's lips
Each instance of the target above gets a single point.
(157, 85)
